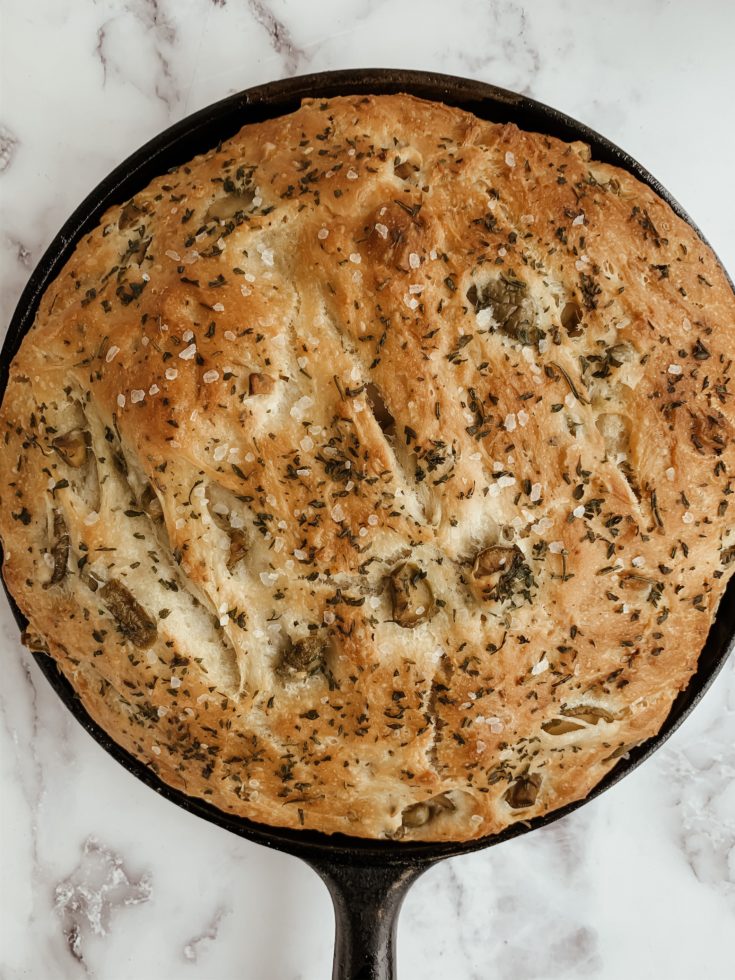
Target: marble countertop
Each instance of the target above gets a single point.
(103, 879)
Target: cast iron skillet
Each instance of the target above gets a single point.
(367, 879)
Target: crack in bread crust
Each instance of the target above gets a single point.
(371, 472)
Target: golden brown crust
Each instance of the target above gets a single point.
(371, 473)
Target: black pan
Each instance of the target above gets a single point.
(368, 880)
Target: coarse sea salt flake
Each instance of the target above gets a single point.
(522, 418)
(300, 406)
(112, 353)
(91, 518)
(338, 513)
(688, 517)
(188, 352)
(413, 260)
(372, 520)
(510, 422)
(137, 395)
(540, 667)
(670, 473)
(219, 307)
(121, 401)
(639, 561)
(322, 234)
(675, 369)
(535, 492)
(266, 255)
(579, 511)
(355, 258)
(209, 377)
(556, 547)
(154, 389)
(510, 159)
(171, 374)
(352, 174)
(579, 220)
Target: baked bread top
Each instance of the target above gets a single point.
(371, 473)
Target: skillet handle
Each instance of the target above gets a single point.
(367, 899)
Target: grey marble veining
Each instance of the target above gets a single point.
(102, 878)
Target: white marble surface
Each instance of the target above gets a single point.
(100, 877)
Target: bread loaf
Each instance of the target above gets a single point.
(372, 472)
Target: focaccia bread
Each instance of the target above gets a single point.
(371, 473)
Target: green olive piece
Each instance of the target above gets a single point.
(589, 713)
(419, 814)
(416, 815)
(512, 310)
(133, 621)
(228, 206)
(523, 791)
(561, 726)
(304, 658)
(413, 600)
(72, 447)
(498, 568)
(59, 551)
